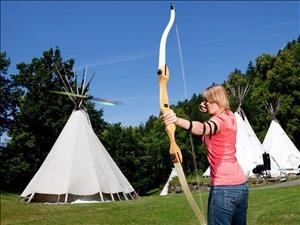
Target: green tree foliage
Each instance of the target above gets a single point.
(139, 152)
(190, 110)
(8, 95)
(273, 76)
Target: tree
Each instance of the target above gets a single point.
(273, 76)
(8, 96)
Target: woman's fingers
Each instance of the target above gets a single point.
(202, 107)
(169, 118)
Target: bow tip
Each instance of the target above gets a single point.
(172, 6)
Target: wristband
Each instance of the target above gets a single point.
(190, 127)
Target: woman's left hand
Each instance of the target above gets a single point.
(169, 118)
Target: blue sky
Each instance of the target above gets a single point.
(119, 41)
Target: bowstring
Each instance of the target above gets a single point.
(190, 135)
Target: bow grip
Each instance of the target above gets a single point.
(175, 152)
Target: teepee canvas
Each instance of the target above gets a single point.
(281, 147)
(165, 189)
(78, 167)
(278, 143)
(249, 148)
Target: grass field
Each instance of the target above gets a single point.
(274, 206)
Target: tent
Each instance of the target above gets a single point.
(278, 143)
(166, 187)
(78, 168)
(249, 150)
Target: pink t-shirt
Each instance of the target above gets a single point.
(224, 167)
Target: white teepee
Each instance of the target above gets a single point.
(249, 148)
(278, 144)
(78, 168)
(166, 187)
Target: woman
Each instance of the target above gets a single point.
(228, 197)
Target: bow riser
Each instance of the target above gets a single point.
(163, 77)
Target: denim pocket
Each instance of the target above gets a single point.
(231, 199)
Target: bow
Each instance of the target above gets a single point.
(175, 152)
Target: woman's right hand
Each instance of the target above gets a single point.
(169, 118)
(202, 107)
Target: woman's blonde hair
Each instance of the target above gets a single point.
(217, 93)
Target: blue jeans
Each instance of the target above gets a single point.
(227, 205)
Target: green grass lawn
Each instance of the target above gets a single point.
(275, 206)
